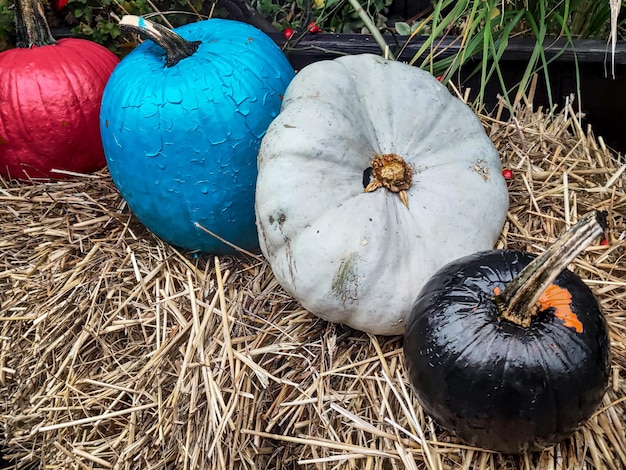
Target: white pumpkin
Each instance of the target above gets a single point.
(357, 256)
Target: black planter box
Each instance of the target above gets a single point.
(602, 97)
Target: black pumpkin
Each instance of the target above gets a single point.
(508, 350)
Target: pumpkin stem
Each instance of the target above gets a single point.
(176, 47)
(31, 26)
(518, 302)
(390, 171)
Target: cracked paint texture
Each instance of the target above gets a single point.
(181, 142)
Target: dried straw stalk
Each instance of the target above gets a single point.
(118, 351)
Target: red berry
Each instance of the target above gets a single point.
(508, 174)
(604, 242)
(58, 4)
(440, 77)
(288, 33)
(314, 27)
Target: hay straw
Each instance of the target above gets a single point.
(119, 351)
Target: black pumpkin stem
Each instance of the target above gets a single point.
(518, 300)
(176, 47)
(31, 26)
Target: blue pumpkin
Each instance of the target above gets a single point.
(182, 118)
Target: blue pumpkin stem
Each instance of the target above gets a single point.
(176, 47)
(31, 26)
(518, 300)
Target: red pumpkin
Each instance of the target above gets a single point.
(50, 97)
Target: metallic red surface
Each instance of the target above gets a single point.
(49, 108)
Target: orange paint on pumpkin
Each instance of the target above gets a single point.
(560, 300)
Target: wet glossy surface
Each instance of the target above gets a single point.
(496, 384)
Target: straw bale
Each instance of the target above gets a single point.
(121, 352)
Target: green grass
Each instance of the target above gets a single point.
(483, 29)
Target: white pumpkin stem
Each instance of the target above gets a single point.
(176, 47)
(390, 171)
(31, 26)
(519, 299)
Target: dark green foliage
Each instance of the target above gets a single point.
(6, 24)
(93, 19)
(480, 21)
(96, 19)
(331, 15)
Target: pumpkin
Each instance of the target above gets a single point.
(508, 350)
(51, 92)
(182, 119)
(371, 178)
